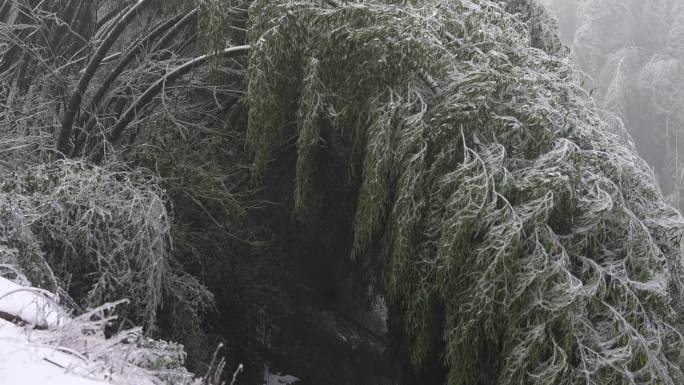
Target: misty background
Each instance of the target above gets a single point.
(632, 54)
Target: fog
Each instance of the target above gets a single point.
(632, 52)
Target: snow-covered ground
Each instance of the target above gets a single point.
(25, 358)
(29, 305)
(40, 344)
(278, 379)
(25, 362)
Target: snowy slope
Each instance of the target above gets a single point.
(41, 345)
(30, 305)
(23, 362)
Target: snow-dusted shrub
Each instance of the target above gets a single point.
(489, 188)
(81, 347)
(125, 358)
(102, 235)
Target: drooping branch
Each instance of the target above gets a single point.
(14, 53)
(5, 10)
(65, 30)
(91, 69)
(169, 28)
(152, 91)
(171, 34)
(111, 15)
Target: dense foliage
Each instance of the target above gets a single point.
(104, 234)
(508, 226)
(117, 169)
(521, 240)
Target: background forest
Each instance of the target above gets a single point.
(354, 192)
(631, 53)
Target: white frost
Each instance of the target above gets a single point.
(23, 362)
(278, 379)
(34, 306)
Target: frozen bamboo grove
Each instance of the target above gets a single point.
(105, 234)
(631, 52)
(523, 241)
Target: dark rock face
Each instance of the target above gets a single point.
(302, 306)
(329, 332)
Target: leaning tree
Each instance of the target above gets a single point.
(518, 240)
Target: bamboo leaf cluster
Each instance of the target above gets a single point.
(490, 189)
(100, 235)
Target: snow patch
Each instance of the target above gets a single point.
(278, 379)
(24, 362)
(30, 305)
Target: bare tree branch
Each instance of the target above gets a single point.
(154, 89)
(91, 69)
(171, 28)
